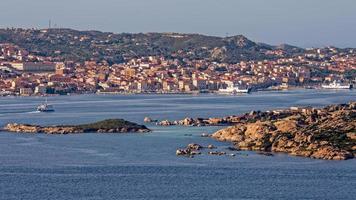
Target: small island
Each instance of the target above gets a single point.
(105, 126)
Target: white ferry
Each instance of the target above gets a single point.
(337, 85)
(45, 107)
(234, 90)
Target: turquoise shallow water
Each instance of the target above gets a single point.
(144, 166)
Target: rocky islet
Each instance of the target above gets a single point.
(105, 126)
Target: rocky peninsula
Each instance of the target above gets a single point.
(105, 126)
(195, 121)
(325, 133)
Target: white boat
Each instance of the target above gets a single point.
(45, 107)
(234, 90)
(337, 85)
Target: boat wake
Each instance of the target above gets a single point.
(32, 112)
(18, 113)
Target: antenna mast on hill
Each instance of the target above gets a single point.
(49, 24)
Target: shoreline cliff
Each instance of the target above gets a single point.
(326, 133)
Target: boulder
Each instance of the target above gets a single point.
(210, 146)
(165, 123)
(149, 120)
(204, 135)
(194, 146)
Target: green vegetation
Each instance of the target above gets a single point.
(336, 138)
(68, 44)
(110, 124)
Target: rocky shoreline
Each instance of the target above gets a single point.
(326, 133)
(322, 133)
(194, 121)
(229, 120)
(105, 126)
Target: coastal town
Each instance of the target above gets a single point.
(177, 99)
(26, 73)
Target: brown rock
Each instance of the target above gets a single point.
(193, 146)
(210, 146)
(329, 135)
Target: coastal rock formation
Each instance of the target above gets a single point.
(190, 150)
(149, 120)
(327, 133)
(194, 146)
(210, 146)
(197, 122)
(106, 126)
(205, 135)
(253, 116)
(165, 123)
(195, 149)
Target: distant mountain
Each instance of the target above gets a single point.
(85, 45)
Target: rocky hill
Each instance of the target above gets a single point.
(105, 126)
(327, 133)
(68, 44)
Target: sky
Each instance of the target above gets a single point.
(305, 23)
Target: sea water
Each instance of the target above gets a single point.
(144, 166)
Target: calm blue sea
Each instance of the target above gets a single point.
(144, 166)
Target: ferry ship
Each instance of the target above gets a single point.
(337, 85)
(234, 90)
(45, 107)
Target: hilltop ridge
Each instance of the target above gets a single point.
(70, 44)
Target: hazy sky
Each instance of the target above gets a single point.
(304, 23)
